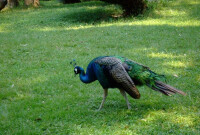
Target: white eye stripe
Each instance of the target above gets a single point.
(75, 69)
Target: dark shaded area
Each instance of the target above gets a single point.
(2, 4)
(130, 7)
(69, 1)
(89, 16)
(134, 7)
(76, 5)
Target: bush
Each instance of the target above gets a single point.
(134, 7)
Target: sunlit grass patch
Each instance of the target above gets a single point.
(163, 55)
(176, 64)
(198, 78)
(171, 117)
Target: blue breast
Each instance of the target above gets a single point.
(100, 73)
(103, 76)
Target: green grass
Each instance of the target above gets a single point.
(40, 95)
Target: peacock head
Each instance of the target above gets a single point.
(77, 70)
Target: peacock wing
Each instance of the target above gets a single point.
(119, 74)
(108, 61)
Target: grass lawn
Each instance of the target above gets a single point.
(40, 95)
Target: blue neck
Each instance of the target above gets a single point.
(88, 77)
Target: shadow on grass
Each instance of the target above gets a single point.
(55, 5)
(90, 16)
(86, 12)
(93, 12)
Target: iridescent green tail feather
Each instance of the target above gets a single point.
(142, 75)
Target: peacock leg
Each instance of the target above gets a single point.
(104, 98)
(124, 95)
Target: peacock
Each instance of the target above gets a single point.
(124, 74)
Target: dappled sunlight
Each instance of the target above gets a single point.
(161, 62)
(190, 2)
(62, 28)
(128, 122)
(148, 22)
(194, 2)
(183, 120)
(92, 7)
(169, 117)
(2, 31)
(167, 16)
(163, 55)
(117, 129)
(198, 78)
(140, 50)
(172, 13)
(161, 22)
(179, 9)
(176, 64)
(4, 28)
